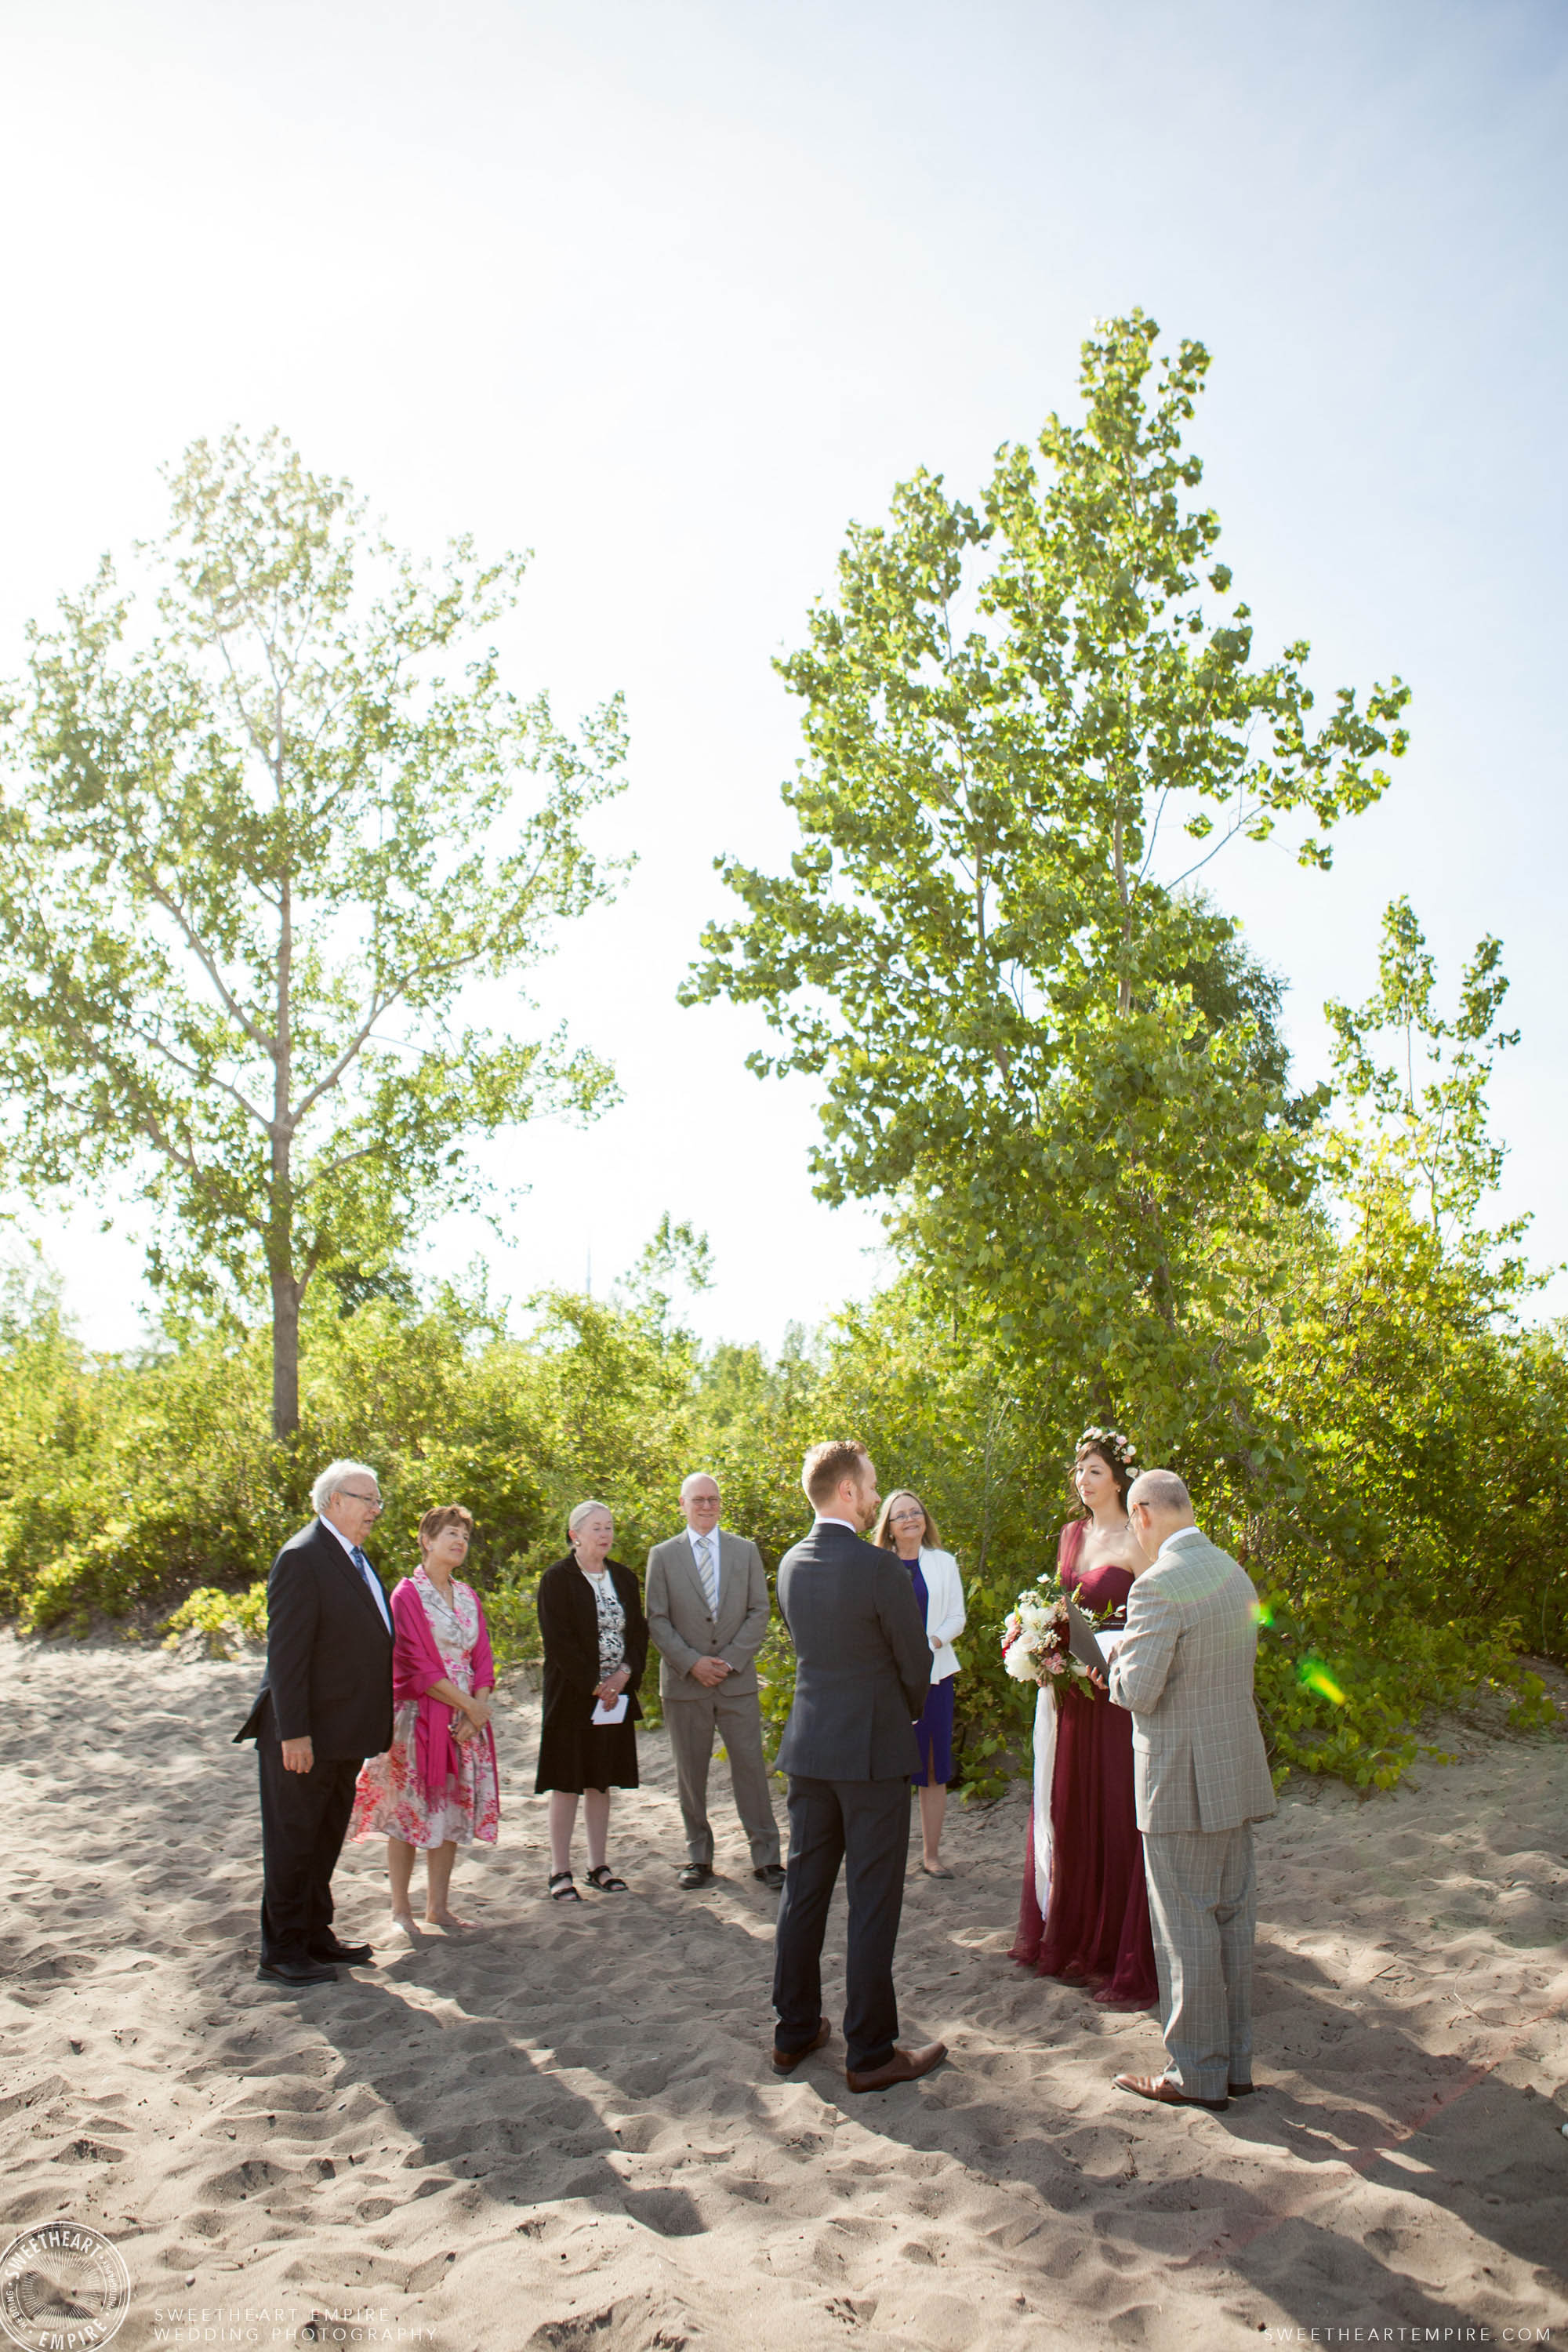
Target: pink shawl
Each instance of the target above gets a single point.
(415, 1665)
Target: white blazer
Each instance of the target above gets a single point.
(944, 1608)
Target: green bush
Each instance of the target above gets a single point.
(222, 1617)
(1396, 1496)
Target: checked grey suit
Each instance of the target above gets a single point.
(1201, 1780)
(683, 1629)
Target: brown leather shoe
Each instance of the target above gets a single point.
(786, 2060)
(1243, 2090)
(1164, 2094)
(903, 2066)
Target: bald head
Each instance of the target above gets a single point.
(1158, 1504)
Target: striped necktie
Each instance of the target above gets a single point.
(705, 1570)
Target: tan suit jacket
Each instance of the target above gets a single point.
(681, 1627)
(1184, 1669)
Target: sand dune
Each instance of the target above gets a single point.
(562, 2130)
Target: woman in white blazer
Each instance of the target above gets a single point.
(907, 1528)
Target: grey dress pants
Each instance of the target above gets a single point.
(1203, 1909)
(693, 1722)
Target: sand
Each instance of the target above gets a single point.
(562, 2130)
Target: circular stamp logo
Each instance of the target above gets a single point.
(63, 2288)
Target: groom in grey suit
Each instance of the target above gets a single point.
(707, 1612)
(1201, 1779)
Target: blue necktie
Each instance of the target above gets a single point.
(372, 1580)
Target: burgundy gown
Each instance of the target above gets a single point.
(1096, 1932)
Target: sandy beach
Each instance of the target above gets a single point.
(562, 2130)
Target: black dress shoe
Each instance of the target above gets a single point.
(298, 1972)
(696, 1874)
(347, 1956)
(772, 1874)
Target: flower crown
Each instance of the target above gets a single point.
(1126, 1453)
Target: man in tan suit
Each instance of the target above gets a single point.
(708, 1615)
(1201, 1779)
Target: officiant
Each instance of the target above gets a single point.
(594, 1634)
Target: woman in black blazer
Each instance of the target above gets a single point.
(596, 1647)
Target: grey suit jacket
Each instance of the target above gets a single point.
(680, 1624)
(1184, 1669)
(864, 1662)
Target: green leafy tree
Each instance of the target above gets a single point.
(1431, 1098)
(256, 841)
(1407, 1535)
(983, 951)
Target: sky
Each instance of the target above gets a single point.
(670, 293)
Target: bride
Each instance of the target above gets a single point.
(1084, 1916)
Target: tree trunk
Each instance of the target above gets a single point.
(1124, 986)
(286, 1291)
(285, 1353)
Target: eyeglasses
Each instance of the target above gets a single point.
(370, 1502)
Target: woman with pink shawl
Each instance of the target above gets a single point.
(435, 1787)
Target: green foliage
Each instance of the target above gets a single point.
(123, 1480)
(1432, 1097)
(1043, 1053)
(126, 1484)
(1061, 1072)
(1056, 1063)
(1534, 1709)
(1411, 1542)
(254, 843)
(221, 1618)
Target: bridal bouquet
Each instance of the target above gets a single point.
(1035, 1639)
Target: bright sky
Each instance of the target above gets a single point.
(670, 292)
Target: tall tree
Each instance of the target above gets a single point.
(1429, 1132)
(255, 842)
(984, 950)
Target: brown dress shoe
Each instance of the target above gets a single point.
(1242, 2090)
(786, 2060)
(903, 2066)
(1164, 2094)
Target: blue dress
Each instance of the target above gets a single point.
(934, 1728)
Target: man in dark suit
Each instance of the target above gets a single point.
(864, 1667)
(324, 1705)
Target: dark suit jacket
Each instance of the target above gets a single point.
(329, 1655)
(864, 1662)
(569, 1627)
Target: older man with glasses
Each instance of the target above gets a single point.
(324, 1705)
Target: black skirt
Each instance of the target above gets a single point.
(581, 1755)
(575, 1753)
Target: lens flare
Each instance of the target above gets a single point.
(1317, 1677)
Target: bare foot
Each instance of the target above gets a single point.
(404, 1924)
(445, 1919)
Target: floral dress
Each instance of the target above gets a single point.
(612, 1620)
(388, 1799)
